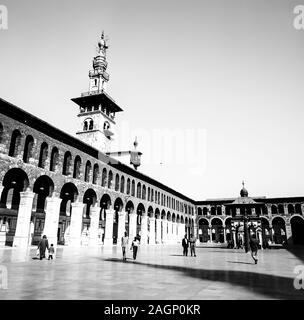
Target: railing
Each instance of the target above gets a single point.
(90, 93)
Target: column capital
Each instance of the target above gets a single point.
(77, 204)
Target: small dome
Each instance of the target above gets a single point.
(244, 192)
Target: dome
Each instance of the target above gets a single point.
(244, 192)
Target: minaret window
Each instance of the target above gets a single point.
(85, 126)
(106, 125)
(91, 125)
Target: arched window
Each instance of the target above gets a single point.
(106, 125)
(43, 155)
(77, 168)
(138, 190)
(54, 159)
(104, 177)
(110, 179)
(28, 149)
(91, 125)
(143, 194)
(67, 162)
(117, 182)
(290, 209)
(1, 132)
(122, 184)
(298, 208)
(152, 195)
(15, 144)
(87, 173)
(95, 173)
(274, 209)
(133, 189)
(128, 186)
(85, 126)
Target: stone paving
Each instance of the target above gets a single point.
(160, 272)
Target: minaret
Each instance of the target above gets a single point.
(96, 108)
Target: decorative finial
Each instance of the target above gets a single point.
(135, 143)
(102, 34)
(243, 183)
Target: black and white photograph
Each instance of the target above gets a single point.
(151, 151)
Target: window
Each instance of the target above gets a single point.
(54, 159)
(43, 155)
(15, 143)
(28, 149)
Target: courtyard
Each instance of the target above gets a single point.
(159, 273)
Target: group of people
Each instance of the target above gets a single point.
(42, 246)
(125, 245)
(189, 242)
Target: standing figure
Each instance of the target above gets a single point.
(42, 246)
(124, 245)
(192, 245)
(134, 247)
(254, 246)
(51, 252)
(185, 244)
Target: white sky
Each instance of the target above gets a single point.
(228, 72)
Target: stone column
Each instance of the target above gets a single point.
(225, 238)
(121, 226)
(152, 231)
(76, 223)
(268, 210)
(108, 239)
(285, 209)
(164, 227)
(260, 239)
(169, 237)
(52, 219)
(158, 230)
(271, 232)
(132, 225)
(22, 233)
(210, 233)
(144, 230)
(234, 239)
(94, 225)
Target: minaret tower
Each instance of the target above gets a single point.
(96, 108)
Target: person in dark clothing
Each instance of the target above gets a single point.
(185, 244)
(254, 246)
(42, 246)
(134, 247)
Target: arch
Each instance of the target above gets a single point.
(297, 229)
(290, 209)
(15, 143)
(133, 189)
(118, 204)
(140, 212)
(274, 209)
(89, 199)
(150, 212)
(182, 219)
(88, 170)
(128, 186)
(110, 179)
(43, 187)
(104, 177)
(213, 211)
(68, 194)
(173, 217)
(67, 163)
(95, 173)
(43, 155)
(298, 208)
(14, 182)
(117, 182)
(122, 184)
(28, 148)
(203, 221)
(227, 221)
(85, 125)
(216, 221)
(91, 124)
(168, 216)
(143, 194)
(54, 159)
(105, 203)
(77, 167)
(219, 211)
(129, 207)
(149, 193)
(199, 211)
(280, 209)
(205, 211)
(279, 230)
(138, 194)
(157, 213)
(163, 214)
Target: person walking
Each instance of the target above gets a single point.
(124, 245)
(134, 247)
(185, 244)
(254, 246)
(51, 252)
(42, 246)
(192, 245)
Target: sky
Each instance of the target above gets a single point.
(213, 90)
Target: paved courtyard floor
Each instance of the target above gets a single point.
(160, 272)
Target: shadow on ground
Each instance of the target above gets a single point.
(275, 287)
